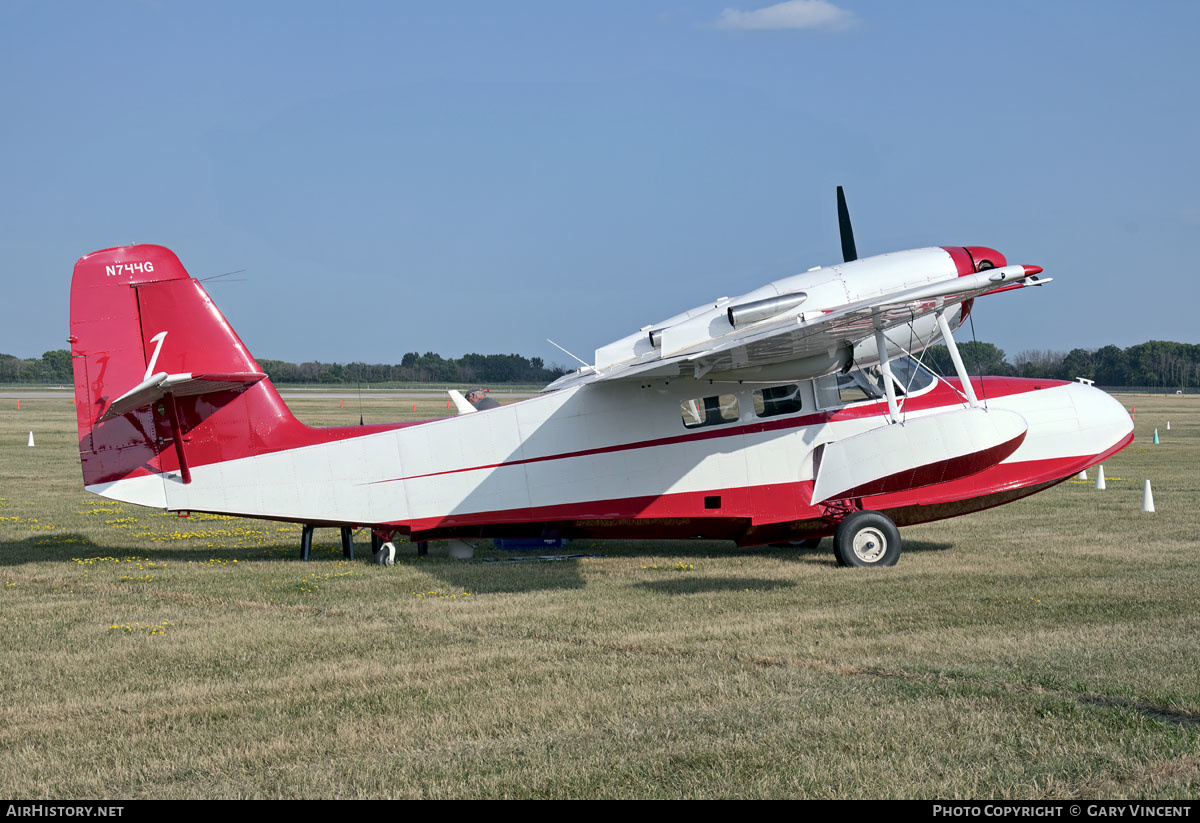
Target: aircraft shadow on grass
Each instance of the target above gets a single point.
(708, 585)
(512, 573)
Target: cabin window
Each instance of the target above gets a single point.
(834, 390)
(710, 411)
(860, 385)
(826, 390)
(777, 400)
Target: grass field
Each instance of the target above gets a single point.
(1044, 649)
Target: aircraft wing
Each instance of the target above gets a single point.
(796, 334)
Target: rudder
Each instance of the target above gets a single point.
(161, 379)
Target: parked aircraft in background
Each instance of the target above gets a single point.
(792, 412)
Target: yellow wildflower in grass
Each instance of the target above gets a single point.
(60, 540)
(122, 522)
(442, 595)
(148, 629)
(308, 584)
(678, 567)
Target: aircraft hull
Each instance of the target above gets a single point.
(577, 464)
(174, 412)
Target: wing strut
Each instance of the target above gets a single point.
(952, 347)
(885, 366)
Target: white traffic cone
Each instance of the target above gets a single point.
(31, 439)
(1082, 475)
(1147, 498)
(1100, 478)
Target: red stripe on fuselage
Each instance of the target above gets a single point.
(733, 431)
(755, 506)
(938, 397)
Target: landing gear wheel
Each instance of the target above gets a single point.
(867, 539)
(386, 556)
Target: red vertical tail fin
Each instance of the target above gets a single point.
(161, 380)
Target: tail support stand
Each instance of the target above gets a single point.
(306, 535)
(348, 542)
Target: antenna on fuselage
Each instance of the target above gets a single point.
(847, 231)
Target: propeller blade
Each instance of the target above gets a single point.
(848, 251)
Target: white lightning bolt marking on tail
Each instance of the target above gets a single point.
(158, 341)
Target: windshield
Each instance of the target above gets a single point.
(912, 378)
(867, 384)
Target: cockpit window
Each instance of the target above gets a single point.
(777, 400)
(867, 384)
(911, 377)
(710, 411)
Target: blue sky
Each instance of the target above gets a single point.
(466, 176)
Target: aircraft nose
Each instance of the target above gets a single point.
(985, 258)
(1101, 416)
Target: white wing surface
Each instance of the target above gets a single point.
(797, 334)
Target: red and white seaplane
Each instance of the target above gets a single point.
(795, 411)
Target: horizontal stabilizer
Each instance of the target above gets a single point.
(186, 384)
(461, 403)
(922, 451)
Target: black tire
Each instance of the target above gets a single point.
(867, 539)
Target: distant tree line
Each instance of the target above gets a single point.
(1156, 363)
(54, 368)
(489, 369)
